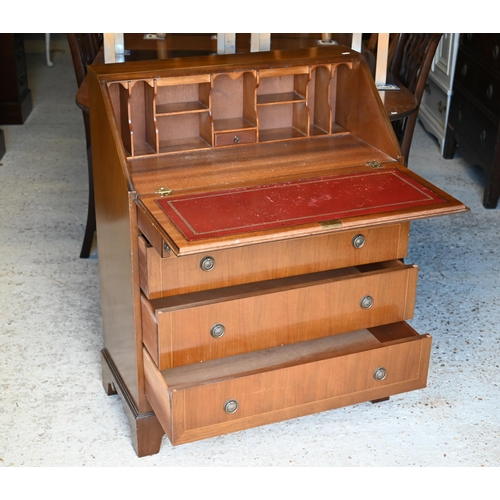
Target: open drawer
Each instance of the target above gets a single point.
(198, 327)
(221, 396)
(171, 274)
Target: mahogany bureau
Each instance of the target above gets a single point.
(253, 214)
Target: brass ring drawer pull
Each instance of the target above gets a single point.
(231, 406)
(380, 373)
(366, 302)
(207, 263)
(217, 331)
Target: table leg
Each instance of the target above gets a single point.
(2, 144)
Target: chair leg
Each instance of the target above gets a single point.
(47, 50)
(2, 144)
(91, 220)
(89, 231)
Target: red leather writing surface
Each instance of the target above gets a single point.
(235, 211)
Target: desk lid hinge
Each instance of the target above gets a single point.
(163, 191)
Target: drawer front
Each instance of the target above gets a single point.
(435, 101)
(233, 138)
(258, 319)
(473, 127)
(167, 276)
(485, 47)
(479, 83)
(194, 410)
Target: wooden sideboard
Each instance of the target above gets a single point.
(474, 115)
(253, 212)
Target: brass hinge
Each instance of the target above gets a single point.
(163, 191)
(374, 164)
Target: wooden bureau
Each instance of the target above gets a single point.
(253, 215)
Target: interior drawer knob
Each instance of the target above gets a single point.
(236, 139)
(207, 263)
(231, 406)
(366, 302)
(380, 373)
(358, 241)
(217, 331)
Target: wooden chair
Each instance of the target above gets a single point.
(411, 63)
(84, 48)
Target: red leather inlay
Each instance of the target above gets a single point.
(235, 211)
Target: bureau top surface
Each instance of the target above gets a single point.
(223, 63)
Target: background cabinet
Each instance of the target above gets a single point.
(15, 96)
(475, 109)
(435, 105)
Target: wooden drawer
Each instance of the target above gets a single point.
(473, 128)
(195, 402)
(485, 47)
(203, 326)
(171, 275)
(435, 101)
(233, 138)
(479, 83)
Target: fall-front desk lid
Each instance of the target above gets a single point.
(218, 218)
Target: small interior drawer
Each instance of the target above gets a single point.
(202, 326)
(208, 399)
(172, 275)
(234, 138)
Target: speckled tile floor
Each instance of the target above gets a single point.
(53, 410)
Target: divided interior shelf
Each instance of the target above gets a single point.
(194, 112)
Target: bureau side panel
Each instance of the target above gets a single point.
(117, 244)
